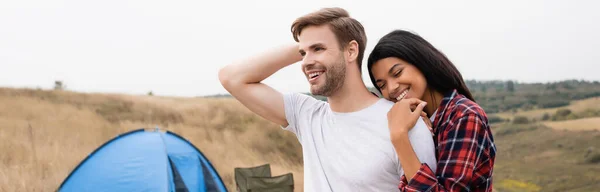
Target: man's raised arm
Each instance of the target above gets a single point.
(242, 80)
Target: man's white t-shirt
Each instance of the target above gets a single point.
(350, 151)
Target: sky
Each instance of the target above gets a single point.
(176, 48)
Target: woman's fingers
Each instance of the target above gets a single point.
(420, 112)
(419, 109)
(412, 101)
(429, 125)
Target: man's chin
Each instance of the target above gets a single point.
(316, 91)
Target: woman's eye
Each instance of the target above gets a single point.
(397, 73)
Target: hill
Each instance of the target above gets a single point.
(575, 107)
(533, 157)
(45, 134)
(503, 96)
(510, 96)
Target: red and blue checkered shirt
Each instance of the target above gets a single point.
(464, 146)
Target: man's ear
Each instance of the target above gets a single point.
(352, 51)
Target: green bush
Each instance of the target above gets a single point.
(495, 119)
(552, 103)
(572, 116)
(563, 113)
(520, 120)
(595, 158)
(527, 106)
(514, 129)
(546, 117)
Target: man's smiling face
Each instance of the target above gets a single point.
(323, 61)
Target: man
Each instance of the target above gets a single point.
(346, 141)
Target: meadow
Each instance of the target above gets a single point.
(46, 133)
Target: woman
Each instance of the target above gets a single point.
(408, 70)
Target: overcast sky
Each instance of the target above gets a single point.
(176, 48)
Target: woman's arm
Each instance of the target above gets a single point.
(408, 129)
(463, 151)
(407, 156)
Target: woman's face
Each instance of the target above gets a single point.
(395, 77)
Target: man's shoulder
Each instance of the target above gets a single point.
(384, 103)
(307, 97)
(304, 100)
(375, 113)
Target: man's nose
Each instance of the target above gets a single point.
(307, 61)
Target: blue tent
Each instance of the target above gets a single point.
(145, 160)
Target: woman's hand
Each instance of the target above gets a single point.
(401, 117)
(427, 122)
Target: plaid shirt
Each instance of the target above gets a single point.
(465, 149)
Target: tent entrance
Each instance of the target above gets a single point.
(145, 160)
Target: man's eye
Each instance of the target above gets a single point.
(318, 49)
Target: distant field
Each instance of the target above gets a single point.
(575, 106)
(45, 134)
(576, 124)
(535, 158)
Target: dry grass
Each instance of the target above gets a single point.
(533, 157)
(45, 134)
(584, 124)
(519, 185)
(575, 107)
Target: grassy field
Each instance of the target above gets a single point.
(536, 158)
(576, 124)
(549, 155)
(45, 134)
(575, 106)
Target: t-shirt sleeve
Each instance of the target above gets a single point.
(422, 142)
(299, 109)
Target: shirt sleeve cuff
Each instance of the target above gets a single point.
(424, 176)
(403, 182)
